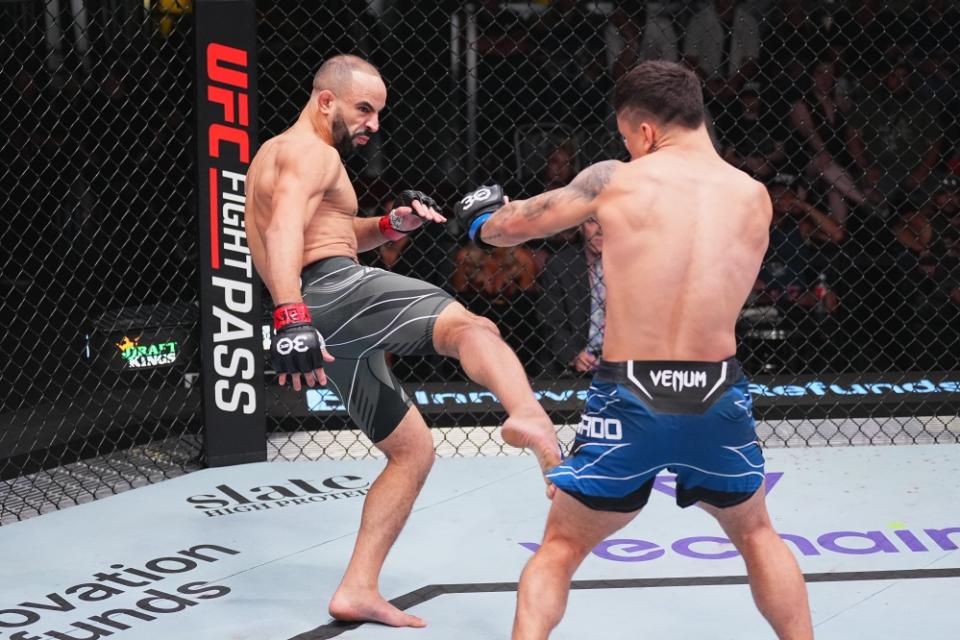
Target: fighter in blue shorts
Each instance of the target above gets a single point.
(684, 234)
(690, 418)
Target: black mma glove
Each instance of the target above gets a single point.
(394, 226)
(297, 346)
(406, 197)
(476, 207)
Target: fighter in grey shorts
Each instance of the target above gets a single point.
(335, 319)
(363, 312)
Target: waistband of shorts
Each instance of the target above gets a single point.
(682, 386)
(330, 262)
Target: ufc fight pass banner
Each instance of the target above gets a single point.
(231, 344)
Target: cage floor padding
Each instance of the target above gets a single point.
(255, 551)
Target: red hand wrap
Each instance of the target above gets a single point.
(285, 314)
(387, 230)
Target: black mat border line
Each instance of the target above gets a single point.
(431, 591)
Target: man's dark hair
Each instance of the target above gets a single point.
(663, 91)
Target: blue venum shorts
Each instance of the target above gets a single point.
(691, 418)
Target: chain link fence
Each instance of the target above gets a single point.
(846, 111)
(98, 251)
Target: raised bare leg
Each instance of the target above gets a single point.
(489, 361)
(410, 454)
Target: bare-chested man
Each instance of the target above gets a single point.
(684, 236)
(304, 237)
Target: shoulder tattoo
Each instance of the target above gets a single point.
(591, 182)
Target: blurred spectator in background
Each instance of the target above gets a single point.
(508, 83)
(787, 277)
(786, 51)
(867, 33)
(502, 285)
(639, 31)
(753, 138)
(33, 137)
(515, 273)
(790, 198)
(559, 167)
(419, 131)
(792, 33)
(930, 223)
(935, 28)
(898, 140)
(935, 44)
(570, 51)
(472, 277)
(929, 233)
(572, 307)
(722, 42)
(821, 135)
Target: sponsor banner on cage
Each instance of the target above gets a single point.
(787, 395)
(232, 360)
(140, 351)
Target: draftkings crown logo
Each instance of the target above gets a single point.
(142, 356)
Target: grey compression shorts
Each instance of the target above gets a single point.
(361, 313)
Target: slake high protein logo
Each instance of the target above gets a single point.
(898, 540)
(228, 500)
(144, 356)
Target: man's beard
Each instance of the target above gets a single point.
(342, 140)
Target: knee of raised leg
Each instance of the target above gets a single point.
(462, 327)
(479, 323)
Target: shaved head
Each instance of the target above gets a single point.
(336, 74)
(348, 96)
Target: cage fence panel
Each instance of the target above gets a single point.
(98, 251)
(846, 112)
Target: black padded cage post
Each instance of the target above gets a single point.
(230, 316)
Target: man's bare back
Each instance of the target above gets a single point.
(680, 255)
(684, 236)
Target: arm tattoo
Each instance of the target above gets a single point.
(531, 208)
(538, 205)
(590, 182)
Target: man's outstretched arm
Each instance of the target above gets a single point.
(540, 216)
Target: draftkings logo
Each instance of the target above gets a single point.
(144, 356)
(226, 500)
